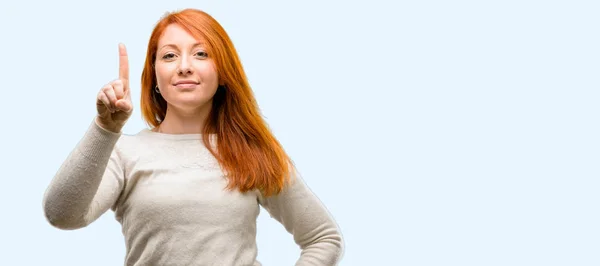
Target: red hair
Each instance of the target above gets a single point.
(246, 149)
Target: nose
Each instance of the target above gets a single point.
(184, 67)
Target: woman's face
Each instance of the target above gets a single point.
(186, 76)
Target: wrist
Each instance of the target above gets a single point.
(112, 127)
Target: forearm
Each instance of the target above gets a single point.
(69, 196)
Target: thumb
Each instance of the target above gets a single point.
(124, 105)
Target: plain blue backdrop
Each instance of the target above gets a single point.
(435, 132)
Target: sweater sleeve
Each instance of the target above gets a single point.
(88, 182)
(304, 216)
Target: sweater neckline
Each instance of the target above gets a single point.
(159, 135)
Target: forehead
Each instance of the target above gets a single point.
(177, 35)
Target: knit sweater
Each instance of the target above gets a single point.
(168, 193)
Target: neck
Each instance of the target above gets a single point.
(180, 121)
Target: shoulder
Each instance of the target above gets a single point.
(133, 141)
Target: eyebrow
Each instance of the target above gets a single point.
(175, 46)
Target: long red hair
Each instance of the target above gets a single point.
(246, 149)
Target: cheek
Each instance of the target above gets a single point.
(163, 73)
(208, 72)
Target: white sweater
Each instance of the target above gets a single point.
(168, 192)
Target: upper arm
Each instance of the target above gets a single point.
(303, 215)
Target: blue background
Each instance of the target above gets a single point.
(435, 132)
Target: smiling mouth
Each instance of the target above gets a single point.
(186, 85)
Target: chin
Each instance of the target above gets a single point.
(190, 104)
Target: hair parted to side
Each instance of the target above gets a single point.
(245, 147)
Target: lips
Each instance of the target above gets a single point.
(186, 82)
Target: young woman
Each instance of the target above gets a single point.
(188, 190)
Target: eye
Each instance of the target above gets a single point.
(168, 56)
(202, 54)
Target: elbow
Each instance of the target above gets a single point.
(338, 244)
(326, 249)
(342, 246)
(63, 220)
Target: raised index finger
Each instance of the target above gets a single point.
(123, 65)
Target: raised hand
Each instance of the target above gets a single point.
(114, 99)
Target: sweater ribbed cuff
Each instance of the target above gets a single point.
(97, 143)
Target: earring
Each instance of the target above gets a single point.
(156, 89)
